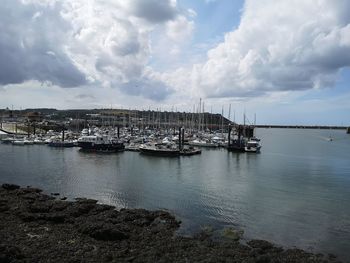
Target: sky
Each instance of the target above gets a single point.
(285, 62)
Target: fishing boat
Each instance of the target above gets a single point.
(252, 146)
(237, 145)
(100, 143)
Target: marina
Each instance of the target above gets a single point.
(148, 132)
(299, 181)
(175, 131)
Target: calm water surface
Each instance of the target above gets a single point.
(295, 193)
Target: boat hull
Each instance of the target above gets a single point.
(102, 147)
(252, 149)
(190, 152)
(157, 152)
(61, 144)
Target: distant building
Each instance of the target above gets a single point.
(34, 116)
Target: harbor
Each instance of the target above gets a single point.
(158, 133)
(298, 181)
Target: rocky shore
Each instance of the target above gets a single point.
(36, 227)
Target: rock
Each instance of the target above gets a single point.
(262, 244)
(40, 207)
(35, 227)
(106, 232)
(9, 253)
(59, 206)
(55, 217)
(4, 207)
(31, 190)
(331, 256)
(263, 259)
(85, 200)
(55, 194)
(233, 234)
(28, 217)
(10, 187)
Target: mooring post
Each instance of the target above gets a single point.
(183, 137)
(180, 138)
(229, 135)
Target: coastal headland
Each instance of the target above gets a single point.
(38, 227)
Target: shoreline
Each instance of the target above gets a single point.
(37, 227)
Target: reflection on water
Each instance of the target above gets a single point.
(295, 193)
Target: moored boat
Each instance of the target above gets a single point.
(132, 147)
(236, 146)
(100, 143)
(8, 140)
(18, 142)
(203, 143)
(61, 144)
(159, 150)
(190, 151)
(252, 146)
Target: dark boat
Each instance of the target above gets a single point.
(159, 150)
(61, 144)
(99, 143)
(236, 146)
(238, 143)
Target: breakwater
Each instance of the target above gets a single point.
(322, 127)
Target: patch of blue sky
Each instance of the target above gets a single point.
(214, 18)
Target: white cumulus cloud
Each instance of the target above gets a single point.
(74, 43)
(278, 46)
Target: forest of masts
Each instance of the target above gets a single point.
(197, 120)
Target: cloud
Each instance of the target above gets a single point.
(180, 29)
(31, 46)
(144, 48)
(278, 46)
(77, 43)
(153, 11)
(82, 97)
(150, 85)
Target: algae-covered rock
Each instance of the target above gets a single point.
(233, 234)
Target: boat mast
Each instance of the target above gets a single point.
(222, 121)
(203, 116)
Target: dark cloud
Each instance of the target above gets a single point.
(32, 44)
(154, 11)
